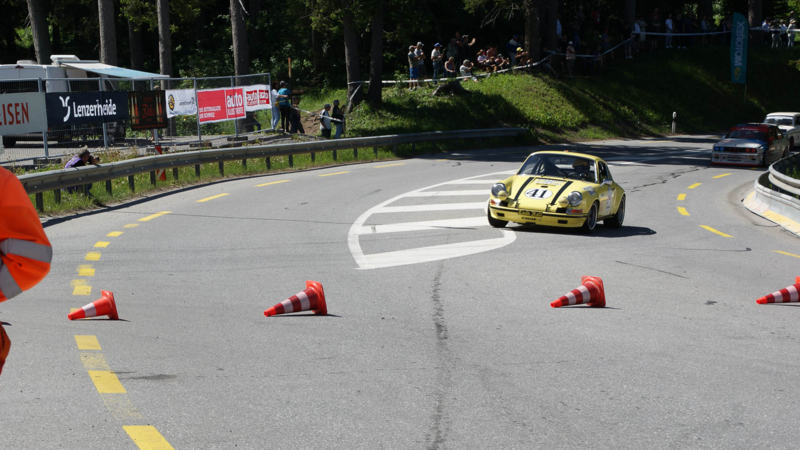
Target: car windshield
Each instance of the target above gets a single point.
(559, 166)
(746, 133)
(779, 120)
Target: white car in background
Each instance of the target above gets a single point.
(789, 123)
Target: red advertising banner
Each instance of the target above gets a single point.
(256, 97)
(217, 105)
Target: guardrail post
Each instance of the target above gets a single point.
(355, 153)
(153, 178)
(175, 173)
(131, 184)
(222, 168)
(57, 195)
(269, 163)
(40, 202)
(375, 149)
(244, 163)
(108, 187)
(335, 155)
(313, 157)
(291, 161)
(86, 189)
(197, 170)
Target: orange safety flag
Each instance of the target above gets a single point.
(25, 251)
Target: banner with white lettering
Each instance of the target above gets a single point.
(740, 33)
(217, 105)
(22, 113)
(73, 108)
(256, 97)
(181, 102)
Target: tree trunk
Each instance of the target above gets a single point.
(241, 60)
(165, 50)
(532, 39)
(375, 93)
(552, 25)
(135, 40)
(630, 13)
(316, 50)
(355, 92)
(754, 12)
(37, 11)
(252, 22)
(108, 32)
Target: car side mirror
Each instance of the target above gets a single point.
(607, 183)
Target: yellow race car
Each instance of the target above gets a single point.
(560, 189)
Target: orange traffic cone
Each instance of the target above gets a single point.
(786, 295)
(103, 306)
(312, 298)
(591, 292)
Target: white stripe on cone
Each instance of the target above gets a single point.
(586, 294)
(89, 310)
(792, 293)
(287, 305)
(305, 305)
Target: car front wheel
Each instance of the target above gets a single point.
(496, 223)
(591, 219)
(615, 221)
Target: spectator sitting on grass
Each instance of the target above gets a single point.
(450, 68)
(522, 57)
(466, 69)
(512, 47)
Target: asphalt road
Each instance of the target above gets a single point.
(440, 334)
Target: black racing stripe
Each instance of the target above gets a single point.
(523, 187)
(563, 188)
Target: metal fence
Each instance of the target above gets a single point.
(182, 130)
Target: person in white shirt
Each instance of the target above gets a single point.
(438, 62)
(668, 37)
(325, 122)
(276, 109)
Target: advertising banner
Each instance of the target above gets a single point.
(217, 105)
(73, 108)
(181, 102)
(256, 97)
(740, 30)
(22, 113)
(147, 110)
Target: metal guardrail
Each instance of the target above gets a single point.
(778, 177)
(776, 196)
(55, 180)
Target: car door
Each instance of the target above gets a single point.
(606, 190)
(772, 143)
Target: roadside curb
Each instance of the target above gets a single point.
(774, 206)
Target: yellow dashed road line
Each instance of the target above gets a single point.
(786, 253)
(212, 197)
(146, 437)
(336, 173)
(115, 234)
(389, 165)
(92, 256)
(681, 197)
(106, 382)
(683, 211)
(153, 216)
(82, 290)
(720, 176)
(695, 185)
(715, 231)
(85, 270)
(101, 244)
(272, 182)
(131, 225)
(87, 342)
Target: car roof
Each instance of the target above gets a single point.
(756, 126)
(783, 114)
(568, 153)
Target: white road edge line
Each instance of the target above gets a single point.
(432, 207)
(469, 222)
(448, 193)
(441, 252)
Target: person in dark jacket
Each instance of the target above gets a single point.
(338, 115)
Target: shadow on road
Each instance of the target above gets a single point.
(599, 232)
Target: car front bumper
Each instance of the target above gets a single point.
(546, 219)
(736, 159)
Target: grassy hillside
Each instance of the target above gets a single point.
(628, 98)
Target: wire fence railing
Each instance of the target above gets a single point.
(183, 130)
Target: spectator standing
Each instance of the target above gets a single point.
(420, 54)
(636, 32)
(276, 111)
(452, 50)
(704, 28)
(511, 48)
(668, 30)
(559, 29)
(295, 125)
(338, 114)
(790, 32)
(450, 68)
(642, 32)
(677, 28)
(284, 102)
(776, 34)
(413, 68)
(605, 42)
(627, 39)
(437, 59)
(570, 58)
(325, 122)
(655, 22)
(784, 34)
(581, 17)
(688, 28)
(492, 52)
(466, 46)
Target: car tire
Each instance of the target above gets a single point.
(496, 223)
(764, 160)
(616, 220)
(791, 144)
(591, 220)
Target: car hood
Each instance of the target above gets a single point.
(739, 143)
(538, 192)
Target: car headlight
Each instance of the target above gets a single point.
(574, 198)
(498, 188)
